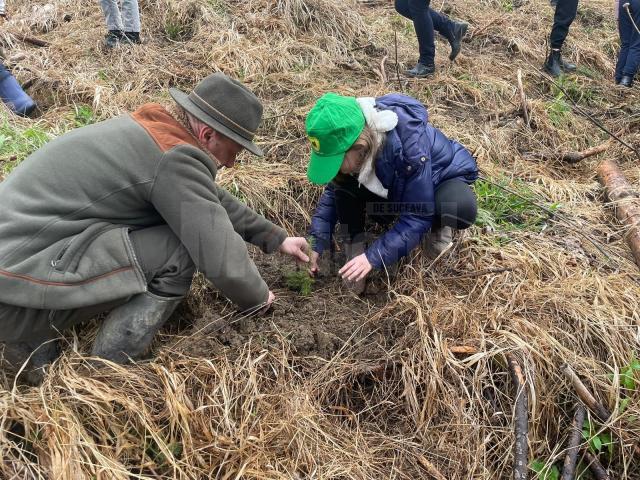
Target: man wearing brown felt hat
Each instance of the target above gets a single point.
(118, 215)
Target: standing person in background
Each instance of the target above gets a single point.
(425, 22)
(628, 12)
(123, 23)
(11, 92)
(566, 11)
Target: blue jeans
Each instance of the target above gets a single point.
(425, 21)
(629, 56)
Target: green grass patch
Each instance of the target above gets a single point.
(504, 211)
(17, 143)
(83, 115)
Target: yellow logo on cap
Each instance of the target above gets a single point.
(315, 143)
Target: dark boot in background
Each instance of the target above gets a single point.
(436, 241)
(626, 81)
(552, 66)
(113, 38)
(421, 70)
(128, 330)
(458, 32)
(133, 37)
(38, 355)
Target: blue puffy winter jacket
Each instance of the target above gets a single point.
(415, 158)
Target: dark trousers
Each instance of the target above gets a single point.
(629, 56)
(455, 206)
(425, 21)
(166, 265)
(565, 15)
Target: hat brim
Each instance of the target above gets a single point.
(185, 102)
(323, 168)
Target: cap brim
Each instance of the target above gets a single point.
(183, 100)
(322, 169)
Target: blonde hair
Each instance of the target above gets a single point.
(368, 142)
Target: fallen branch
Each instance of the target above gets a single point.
(569, 157)
(523, 99)
(585, 395)
(521, 446)
(430, 468)
(463, 349)
(626, 204)
(596, 467)
(383, 70)
(575, 437)
(27, 39)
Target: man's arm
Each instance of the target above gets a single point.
(254, 228)
(185, 195)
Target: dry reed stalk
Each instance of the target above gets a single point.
(573, 445)
(521, 420)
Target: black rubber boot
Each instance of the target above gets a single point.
(421, 70)
(128, 330)
(38, 357)
(113, 38)
(626, 81)
(553, 66)
(567, 67)
(459, 30)
(133, 37)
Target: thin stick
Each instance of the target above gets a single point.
(27, 39)
(585, 395)
(596, 467)
(430, 468)
(395, 42)
(523, 99)
(575, 437)
(521, 446)
(383, 70)
(572, 157)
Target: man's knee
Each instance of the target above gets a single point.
(166, 263)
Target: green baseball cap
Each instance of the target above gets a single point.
(333, 125)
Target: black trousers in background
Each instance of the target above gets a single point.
(167, 267)
(455, 206)
(566, 11)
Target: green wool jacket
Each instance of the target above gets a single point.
(66, 210)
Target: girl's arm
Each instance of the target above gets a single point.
(324, 220)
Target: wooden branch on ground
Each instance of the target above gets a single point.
(463, 349)
(430, 468)
(569, 157)
(575, 437)
(521, 446)
(596, 467)
(626, 203)
(585, 395)
(27, 39)
(523, 98)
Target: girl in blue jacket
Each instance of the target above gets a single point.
(381, 157)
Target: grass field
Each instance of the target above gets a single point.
(328, 385)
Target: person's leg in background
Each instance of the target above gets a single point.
(451, 30)
(13, 95)
(131, 20)
(419, 12)
(115, 27)
(632, 60)
(624, 30)
(456, 208)
(565, 14)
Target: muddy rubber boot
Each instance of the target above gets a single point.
(553, 64)
(133, 37)
(567, 67)
(39, 357)
(14, 96)
(421, 70)
(352, 250)
(437, 241)
(128, 330)
(457, 34)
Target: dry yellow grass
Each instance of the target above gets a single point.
(569, 293)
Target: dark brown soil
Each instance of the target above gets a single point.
(318, 325)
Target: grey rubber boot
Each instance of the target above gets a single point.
(128, 330)
(437, 241)
(352, 250)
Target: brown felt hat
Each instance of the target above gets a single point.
(225, 105)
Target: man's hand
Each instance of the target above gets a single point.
(356, 269)
(267, 306)
(313, 266)
(296, 247)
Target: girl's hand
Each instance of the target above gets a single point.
(356, 269)
(313, 266)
